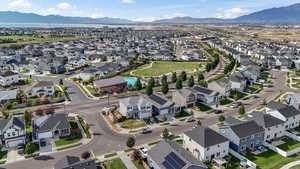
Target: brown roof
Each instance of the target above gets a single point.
(109, 82)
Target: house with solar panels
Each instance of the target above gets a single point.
(205, 144)
(206, 96)
(162, 107)
(170, 155)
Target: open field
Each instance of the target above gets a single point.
(19, 38)
(159, 68)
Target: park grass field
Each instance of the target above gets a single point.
(19, 38)
(159, 68)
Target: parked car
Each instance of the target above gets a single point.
(144, 152)
(235, 105)
(190, 119)
(145, 131)
(219, 111)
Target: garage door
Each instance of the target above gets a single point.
(14, 143)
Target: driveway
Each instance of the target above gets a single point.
(13, 156)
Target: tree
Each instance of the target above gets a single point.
(61, 82)
(21, 96)
(149, 90)
(5, 113)
(242, 110)
(203, 83)
(130, 142)
(27, 118)
(208, 67)
(164, 79)
(86, 155)
(138, 85)
(165, 133)
(199, 123)
(165, 88)
(183, 76)
(151, 82)
(179, 84)
(30, 148)
(264, 102)
(191, 81)
(174, 77)
(221, 118)
(200, 76)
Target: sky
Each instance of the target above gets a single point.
(143, 10)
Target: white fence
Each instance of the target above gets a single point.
(239, 156)
(276, 149)
(292, 136)
(282, 152)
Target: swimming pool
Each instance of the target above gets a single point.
(131, 81)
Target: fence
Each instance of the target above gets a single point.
(242, 158)
(292, 136)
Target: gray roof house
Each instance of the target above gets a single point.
(205, 143)
(293, 100)
(12, 132)
(238, 82)
(223, 86)
(51, 127)
(169, 155)
(184, 97)
(243, 135)
(72, 162)
(114, 84)
(207, 96)
(8, 95)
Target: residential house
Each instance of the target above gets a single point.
(207, 96)
(243, 135)
(251, 73)
(293, 100)
(274, 127)
(51, 127)
(136, 107)
(12, 132)
(114, 84)
(72, 162)
(289, 114)
(185, 97)
(8, 96)
(238, 82)
(205, 144)
(41, 88)
(222, 86)
(8, 78)
(168, 155)
(163, 109)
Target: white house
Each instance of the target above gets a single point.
(289, 114)
(136, 107)
(205, 144)
(8, 78)
(293, 100)
(12, 132)
(274, 127)
(41, 88)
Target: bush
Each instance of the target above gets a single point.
(130, 142)
(85, 155)
(30, 148)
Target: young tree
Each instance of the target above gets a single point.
(164, 79)
(221, 118)
(30, 148)
(200, 76)
(130, 142)
(183, 76)
(165, 133)
(203, 83)
(165, 88)
(61, 82)
(85, 155)
(242, 110)
(20, 96)
(179, 84)
(149, 90)
(199, 123)
(174, 77)
(138, 84)
(191, 81)
(151, 82)
(27, 118)
(5, 113)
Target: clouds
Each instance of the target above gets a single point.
(127, 1)
(232, 13)
(64, 5)
(19, 3)
(150, 19)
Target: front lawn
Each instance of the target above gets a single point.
(181, 115)
(289, 144)
(270, 159)
(236, 95)
(202, 107)
(138, 164)
(115, 164)
(252, 89)
(295, 167)
(159, 68)
(3, 154)
(225, 101)
(133, 124)
(69, 140)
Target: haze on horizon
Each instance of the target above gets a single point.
(143, 10)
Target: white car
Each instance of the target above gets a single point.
(143, 151)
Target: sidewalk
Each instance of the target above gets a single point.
(127, 161)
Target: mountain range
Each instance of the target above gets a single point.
(282, 15)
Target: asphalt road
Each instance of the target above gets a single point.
(106, 140)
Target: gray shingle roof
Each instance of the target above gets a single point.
(286, 110)
(109, 82)
(203, 90)
(17, 121)
(165, 147)
(71, 162)
(266, 120)
(275, 105)
(55, 121)
(205, 136)
(246, 129)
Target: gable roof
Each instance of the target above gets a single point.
(134, 100)
(159, 101)
(165, 147)
(55, 121)
(205, 136)
(203, 90)
(72, 162)
(246, 129)
(7, 74)
(266, 120)
(109, 82)
(285, 110)
(275, 105)
(17, 121)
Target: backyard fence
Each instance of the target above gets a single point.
(242, 158)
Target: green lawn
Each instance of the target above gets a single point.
(234, 163)
(236, 95)
(203, 107)
(296, 86)
(115, 164)
(225, 101)
(270, 159)
(133, 124)
(163, 67)
(19, 38)
(289, 144)
(110, 155)
(138, 164)
(181, 115)
(295, 167)
(153, 143)
(69, 140)
(252, 89)
(3, 154)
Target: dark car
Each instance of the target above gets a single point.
(219, 111)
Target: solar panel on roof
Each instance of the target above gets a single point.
(172, 161)
(167, 165)
(177, 159)
(158, 99)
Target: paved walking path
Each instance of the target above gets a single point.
(290, 165)
(127, 161)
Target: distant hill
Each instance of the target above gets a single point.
(282, 15)
(18, 17)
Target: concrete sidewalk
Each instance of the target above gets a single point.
(127, 161)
